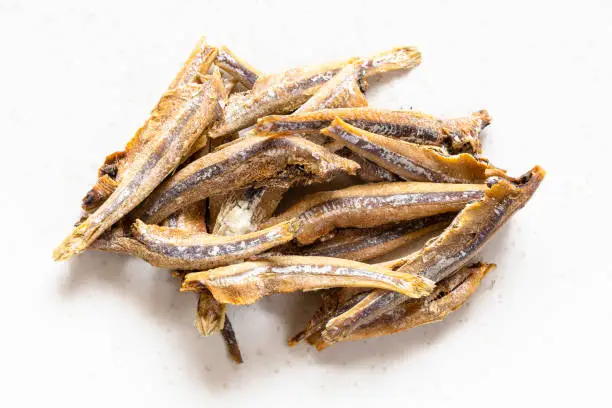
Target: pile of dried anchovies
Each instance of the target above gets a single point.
(197, 188)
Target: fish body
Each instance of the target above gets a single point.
(459, 135)
(373, 205)
(251, 160)
(246, 282)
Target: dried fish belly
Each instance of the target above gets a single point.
(367, 243)
(409, 160)
(454, 248)
(246, 282)
(372, 205)
(456, 135)
(449, 295)
(243, 163)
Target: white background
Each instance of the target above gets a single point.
(78, 78)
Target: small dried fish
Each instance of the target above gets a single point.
(456, 135)
(372, 205)
(246, 282)
(447, 253)
(244, 209)
(367, 243)
(176, 248)
(116, 163)
(284, 92)
(449, 295)
(251, 160)
(410, 161)
(155, 151)
(240, 70)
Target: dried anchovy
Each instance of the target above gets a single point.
(450, 251)
(176, 248)
(284, 92)
(372, 205)
(368, 243)
(244, 163)
(246, 282)
(155, 151)
(410, 161)
(449, 295)
(456, 135)
(115, 164)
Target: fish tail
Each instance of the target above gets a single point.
(76, 242)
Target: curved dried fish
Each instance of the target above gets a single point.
(368, 243)
(251, 160)
(245, 283)
(184, 250)
(284, 92)
(456, 135)
(449, 295)
(240, 70)
(451, 250)
(372, 205)
(158, 149)
(410, 161)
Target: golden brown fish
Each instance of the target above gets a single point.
(411, 161)
(246, 282)
(176, 248)
(361, 244)
(372, 205)
(268, 160)
(192, 71)
(449, 295)
(155, 151)
(456, 135)
(451, 250)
